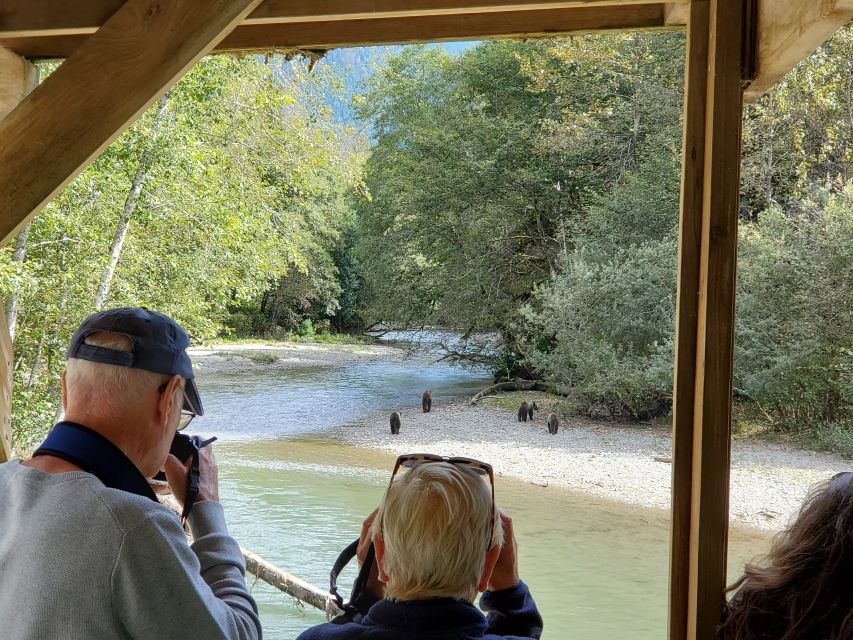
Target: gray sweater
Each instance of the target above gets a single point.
(80, 561)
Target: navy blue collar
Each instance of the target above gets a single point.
(92, 452)
(437, 614)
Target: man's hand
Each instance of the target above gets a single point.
(177, 473)
(505, 573)
(374, 586)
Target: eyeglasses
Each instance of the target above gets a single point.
(186, 416)
(410, 460)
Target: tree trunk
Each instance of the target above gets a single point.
(12, 304)
(34, 370)
(130, 202)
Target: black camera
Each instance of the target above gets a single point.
(183, 448)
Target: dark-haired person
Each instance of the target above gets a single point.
(439, 542)
(86, 550)
(804, 591)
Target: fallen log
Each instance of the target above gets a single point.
(511, 385)
(290, 584)
(269, 573)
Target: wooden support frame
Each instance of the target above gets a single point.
(789, 31)
(6, 358)
(705, 325)
(26, 19)
(323, 33)
(18, 77)
(108, 82)
(99, 96)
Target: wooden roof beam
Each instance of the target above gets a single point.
(378, 31)
(27, 19)
(789, 31)
(439, 28)
(93, 96)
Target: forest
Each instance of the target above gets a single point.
(524, 194)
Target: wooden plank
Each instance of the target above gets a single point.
(109, 81)
(25, 18)
(511, 24)
(790, 30)
(676, 14)
(712, 402)
(377, 31)
(17, 78)
(6, 358)
(687, 312)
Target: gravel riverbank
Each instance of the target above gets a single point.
(609, 460)
(768, 482)
(259, 356)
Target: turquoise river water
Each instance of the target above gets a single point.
(597, 569)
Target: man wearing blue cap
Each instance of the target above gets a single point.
(86, 549)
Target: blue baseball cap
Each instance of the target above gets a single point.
(159, 345)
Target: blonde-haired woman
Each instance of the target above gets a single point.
(439, 541)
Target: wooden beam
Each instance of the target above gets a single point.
(510, 24)
(687, 310)
(18, 78)
(108, 82)
(26, 19)
(706, 296)
(377, 31)
(6, 358)
(790, 30)
(676, 14)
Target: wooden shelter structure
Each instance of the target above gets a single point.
(122, 55)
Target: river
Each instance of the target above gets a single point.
(597, 569)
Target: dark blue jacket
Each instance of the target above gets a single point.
(512, 614)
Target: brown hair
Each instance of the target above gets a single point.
(805, 591)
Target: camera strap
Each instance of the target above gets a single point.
(95, 454)
(194, 476)
(360, 598)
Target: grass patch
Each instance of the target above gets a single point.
(261, 357)
(325, 338)
(832, 437)
(835, 437)
(547, 402)
(330, 338)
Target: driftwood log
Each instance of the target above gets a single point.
(279, 578)
(290, 584)
(511, 385)
(518, 385)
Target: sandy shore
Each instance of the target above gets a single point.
(768, 482)
(234, 358)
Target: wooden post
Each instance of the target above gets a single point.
(17, 78)
(103, 87)
(705, 318)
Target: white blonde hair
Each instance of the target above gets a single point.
(437, 523)
(105, 387)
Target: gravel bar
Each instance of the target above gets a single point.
(613, 461)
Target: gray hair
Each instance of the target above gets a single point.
(105, 387)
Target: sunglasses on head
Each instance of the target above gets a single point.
(411, 460)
